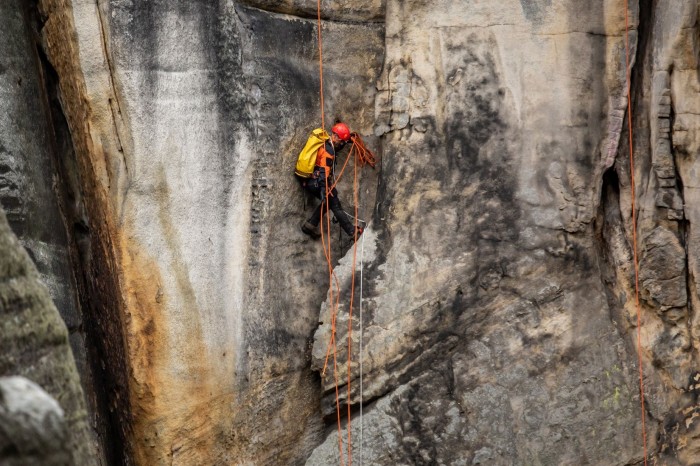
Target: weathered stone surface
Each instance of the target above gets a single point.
(662, 269)
(500, 289)
(26, 165)
(32, 425)
(498, 311)
(182, 115)
(34, 344)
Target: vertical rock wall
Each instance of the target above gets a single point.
(34, 344)
(26, 169)
(187, 118)
(35, 148)
(665, 144)
(499, 318)
(499, 310)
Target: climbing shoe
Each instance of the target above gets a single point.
(312, 231)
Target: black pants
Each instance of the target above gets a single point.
(317, 187)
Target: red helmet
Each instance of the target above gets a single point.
(342, 130)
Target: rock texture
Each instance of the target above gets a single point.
(34, 345)
(32, 425)
(182, 114)
(26, 167)
(499, 320)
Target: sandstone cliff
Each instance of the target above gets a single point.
(36, 428)
(499, 322)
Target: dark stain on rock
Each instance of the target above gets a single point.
(579, 254)
(535, 10)
(476, 151)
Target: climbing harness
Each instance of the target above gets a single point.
(634, 229)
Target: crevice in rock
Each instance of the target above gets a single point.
(100, 379)
(76, 223)
(683, 229)
(609, 233)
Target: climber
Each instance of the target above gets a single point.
(322, 179)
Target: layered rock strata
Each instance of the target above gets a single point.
(499, 311)
(499, 319)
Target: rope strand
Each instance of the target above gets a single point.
(362, 156)
(634, 229)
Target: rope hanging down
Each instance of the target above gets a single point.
(362, 156)
(634, 229)
(326, 243)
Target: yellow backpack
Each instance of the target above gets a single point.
(307, 157)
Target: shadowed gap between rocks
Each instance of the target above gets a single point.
(99, 376)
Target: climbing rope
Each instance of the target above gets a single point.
(361, 152)
(634, 230)
(358, 149)
(326, 243)
(362, 156)
(366, 156)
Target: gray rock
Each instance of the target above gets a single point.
(32, 425)
(27, 163)
(34, 344)
(494, 254)
(499, 318)
(662, 269)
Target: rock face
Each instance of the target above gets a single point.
(34, 345)
(32, 425)
(182, 114)
(26, 168)
(499, 319)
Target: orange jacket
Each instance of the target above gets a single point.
(325, 158)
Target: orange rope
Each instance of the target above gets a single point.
(365, 156)
(362, 155)
(634, 230)
(334, 307)
(327, 249)
(333, 342)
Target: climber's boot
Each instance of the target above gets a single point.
(311, 230)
